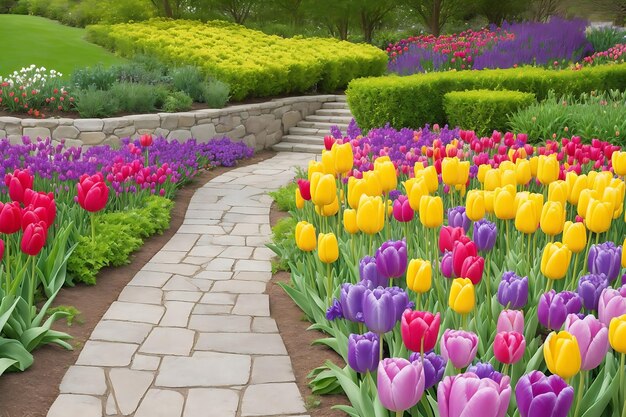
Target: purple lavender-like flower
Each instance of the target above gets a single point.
(458, 218)
(589, 289)
(485, 233)
(363, 352)
(369, 272)
(353, 130)
(434, 367)
(554, 307)
(513, 291)
(391, 258)
(605, 258)
(336, 132)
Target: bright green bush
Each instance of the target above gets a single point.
(418, 99)
(177, 101)
(484, 110)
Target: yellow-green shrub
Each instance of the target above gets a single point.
(253, 63)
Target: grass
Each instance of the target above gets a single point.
(30, 40)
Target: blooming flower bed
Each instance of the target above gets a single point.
(465, 276)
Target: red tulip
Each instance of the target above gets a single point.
(43, 203)
(18, 182)
(460, 251)
(33, 215)
(305, 189)
(145, 140)
(329, 142)
(508, 347)
(420, 328)
(93, 193)
(10, 217)
(447, 236)
(472, 268)
(34, 238)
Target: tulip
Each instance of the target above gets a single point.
(493, 179)
(329, 141)
(400, 301)
(402, 210)
(507, 177)
(387, 174)
(460, 251)
(503, 204)
(489, 197)
(370, 215)
(534, 166)
(605, 258)
(485, 233)
(584, 201)
(475, 205)
(522, 172)
(547, 169)
(299, 200)
(363, 352)
(379, 310)
(513, 291)
(416, 189)
(400, 383)
(617, 334)
(598, 216)
(543, 396)
(575, 236)
(343, 157)
(351, 300)
(17, 183)
(93, 193)
(457, 218)
(391, 258)
(145, 140)
(555, 260)
(459, 347)
(434, 367)
(509, 347)
(429, 174)
(454, 171)
(575, 185)
(612, 304)
(466, 395)
(305, 189)
(323, 189)
(368, 271)
(419, 276)
(447, 270)
(590, 288)
(552, 218)
(448, 235)
(553, 308)
(329, 209)
(511, 321)
(373, 184)
(485, 370)
(431, 211)
(557, 192)
(562, 354)
(10, 217)
(34, 238)
(305, 236)
(314, 167)
(420, 330)
(356, 188)
(618, 160)
(472, 268)
(328, 163)
(526, 220)
(592, 337)
(328, 249)
(462, 297)
(43, 204)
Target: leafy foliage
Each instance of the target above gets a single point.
(177, 101)
(285, 197)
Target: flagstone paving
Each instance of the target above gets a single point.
(191, 335)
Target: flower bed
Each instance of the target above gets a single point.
(465, 276)
(65, 213)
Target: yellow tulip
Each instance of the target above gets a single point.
(599, 215)
(431, 211)
(419, 275)
(449, 170)
(557, 191)
(489, 196)
(506, 166)
(538, 198)
(562, 354)
(612, 195)
(504, 203)
(522, 171)
(482, 171)
(343, 156)
(430, 178)
(387, 175)
(419, 166)
(299, 199)
(617, 333)
(534, 166)
(620, 186)
(575, 236)
(552, 218)
(508, 178)
(555, 260)
(475, 205)
(601, 181)
(585, 197)
(526, 220)
(349, 221)
(328, 162)
(575, 184)
(415, 194)
(493, 179)
(328, 248)
(323, 189)
(305, 236)
(314, 166)
(370, 215)
(462, 296)
(356, 188)
(547, 169)
(329, 209)
(618, 160)
(373, 185)
(382, 159)
(591, 177)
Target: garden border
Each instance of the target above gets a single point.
(259, 125)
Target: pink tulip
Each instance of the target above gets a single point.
(459, 347)
(511, 321)
(612, 304)
(593, 339)
(467, 395)
(509, 347)
(400, 383)
(402, 210)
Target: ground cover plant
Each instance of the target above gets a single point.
(66, 213)
(252, 63)
(460, 275)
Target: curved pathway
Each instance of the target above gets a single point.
(191, 335)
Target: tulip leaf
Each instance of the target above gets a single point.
(535, 362)
(298, 298)
(602, 400)
(6, 363)
(351, 389)
(351, 411)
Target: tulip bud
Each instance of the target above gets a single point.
(509, 347)
(592, 337)
(419, 275)
(373, 184)
(547, 169)
(511, 321)
(526, 220)
(522, 172)
(472, 268)
(584, 200)
(93, 193)
(145, 140)
(617, 334)
(299, 200)
(429, 174)
(363, 352)
(402, 210)
(431, 211)
(504, 203)
(343, 157)
(387, 174)
(552, 218)
(562, 354)
(314, 167)
(459, 347)
(328, 249)
(305, 236)
(370, 215)
(485, 233)
(513, 291)
(493, 179)
(420, 330)
(575, 185)
(532, 390)
(618, 160)
(323, 189)
(34, 238)
(574, 236)
(462, 297)
(349, 221)
(557, 191)
(555, 260)
(475, 205)
(598, 216)
(400, 383)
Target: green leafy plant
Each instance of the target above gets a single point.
(139, 98)
(96, 103)
(189, 80)
(216, 94)
(177, 101)
(72, 314)
(283, 238)
(606, 37)
(285, 197)
(98, 76)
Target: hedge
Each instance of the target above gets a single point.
(415, 100)
(484, 110)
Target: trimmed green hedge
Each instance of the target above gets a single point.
(418, 99)
(484, 110)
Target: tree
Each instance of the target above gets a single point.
(497, 11)
(238, 10)
(541, 10)
(293, 10)
(372, 14)
(335, 15)
(616, 8)
(435, 13)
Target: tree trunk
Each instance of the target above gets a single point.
(167, 8)
(435, 27)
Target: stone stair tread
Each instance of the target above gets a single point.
(297, 130)
(297, 147)
(339, 105)
(303, 139)
(329, 119)
(322, 125)
(334, 112)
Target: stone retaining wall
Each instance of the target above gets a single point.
(260, 125)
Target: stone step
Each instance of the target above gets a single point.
(312, 140)
(322, 125)
(341, 98)
(334, 112)
(329, 119)
(335, 105)
(307, 131)
(297, 147)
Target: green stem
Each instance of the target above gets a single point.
(31, 294)
(505, 369)
(380, 344)
(418, 304)
(549, 284)
(488, 288)
(587, 252)
(463, 321)
(579, 394)
(92, 216)
(506, 223)
(399, 413)
(329, 284)
(574, 272)
(621, 381)
(7, 256)
(528, 257)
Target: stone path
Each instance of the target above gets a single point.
(191, 335)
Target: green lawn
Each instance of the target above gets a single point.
(27, 40)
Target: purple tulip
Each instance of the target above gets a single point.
(589, 289)
(363, 351)
(485, 370)
(351, 301)
(624, 279)
(334, 311)
(434, 367)
(379, 311)
(485, 233)
(400, 383)
(400, 301)
(554, 307)
(459, 347)
(466, 395)
(369, 272)
(605, 258)
(447, 268)
(458, 218)
(593, 339)
(391, 258)
(612, 304)
(543, 396)
(513, 291)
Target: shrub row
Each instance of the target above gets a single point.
(253, 63)
(418, 99)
